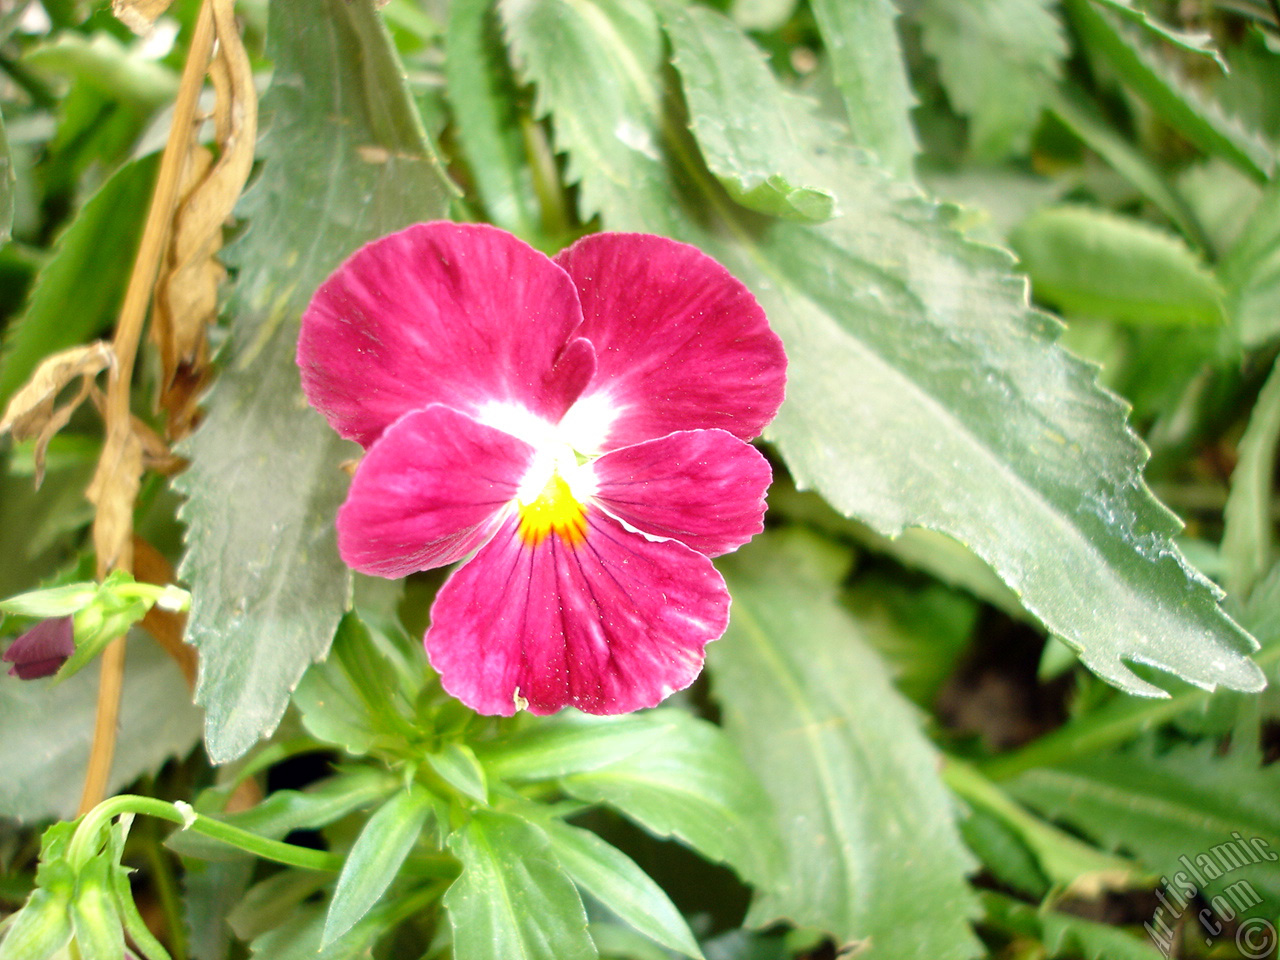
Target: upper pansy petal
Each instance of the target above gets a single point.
(610, 624)
(704, 488)
(460, 314)
(428, 492)
(680, 343)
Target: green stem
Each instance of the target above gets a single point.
(89, 835)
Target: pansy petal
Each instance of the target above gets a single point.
(430, 491)
(680, 344)
(460, 314)
(704, 488)
(612, 624)
(42, 650)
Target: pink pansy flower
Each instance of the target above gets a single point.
(42, 650)
(580, 425)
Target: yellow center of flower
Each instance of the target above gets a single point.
(554, 510)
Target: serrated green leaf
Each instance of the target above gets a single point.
(1189, 112)
(375, 859)
(513, 900)
(1094, 263)
(1248, 529)
(1251, 273)
(840, 752)
(997, 61)
(968, 419)
(1219, 813)
(693, 785)
(571, 743)
(342, 167)
(1192, 41)
(861, 38)
(111, 220)
(46, 730)
(613, 878)
(760, 164)
(487, 126)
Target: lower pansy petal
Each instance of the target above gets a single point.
(704, 488)
(609, 623)
(430, 491)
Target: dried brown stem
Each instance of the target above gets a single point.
(119, 471)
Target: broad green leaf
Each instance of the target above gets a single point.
(513, 900)
(488, 130)
(922, 389)
(997, 61)
(1212, 818)
(102, 62)
(1094, 263)
(861, 40)
(375, 859)
(761, 164)
(1251, 273)
(572, 743)
(1064, 934)
(1248, 528)
(840, 752)
(693, 785)
(613, 878)
(46, 729)
(762, 15)
(111, 220)
(1199, 120)
(298, 938)
(342, 166)
(263, 904)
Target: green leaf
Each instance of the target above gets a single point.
(1064, 934)
(111, 220)
(40, 929)
(1251, 273)
(1094, 263)
(103, 63)
(513, 900)
(761, 164)
(691, 784)
(613, 878)
(375, 859)
(488, 130)
(1211, 818)
(840, 752)
(342, 167)
(345, 699)
(762, 15)
(46, 730)
(457, 766)
(971, 421)
(571, 742)
(298, 938)
(1192, 41)
(1248, 528)
(7, 184)
(997, 61)
(866, 57)
(1190, 113)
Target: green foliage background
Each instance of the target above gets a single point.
(982, 688)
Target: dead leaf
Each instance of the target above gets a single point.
(139, 15)
(113, 492)
(186, 298)
(33, 410)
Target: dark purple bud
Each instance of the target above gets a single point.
(41, 650)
